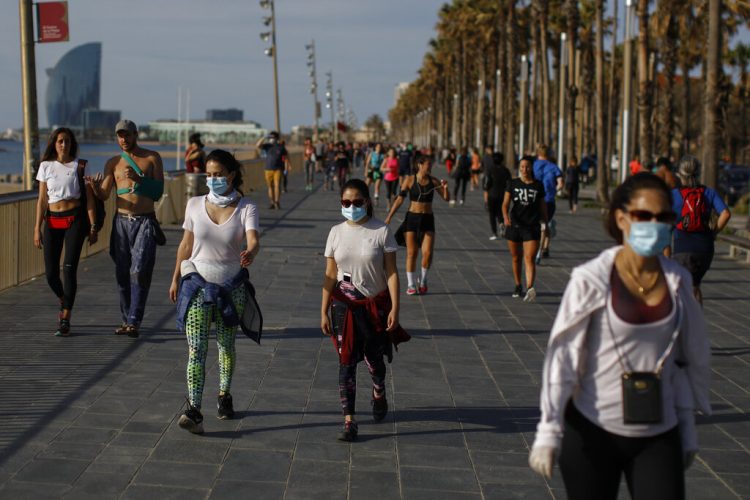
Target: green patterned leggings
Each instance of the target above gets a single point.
(197, 325)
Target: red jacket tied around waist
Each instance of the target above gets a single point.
(372, 306)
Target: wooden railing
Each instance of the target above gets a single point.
(20, 260)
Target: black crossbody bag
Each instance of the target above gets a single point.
(641, 391)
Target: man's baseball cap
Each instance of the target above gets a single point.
(126, 125)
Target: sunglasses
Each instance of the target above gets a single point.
(647, 215)
(357, 203)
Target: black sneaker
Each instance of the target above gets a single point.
(349, 431)
(63, 330)
(226, 411)
(192, 420)
(545, 254)
(518, 292)
(379, 408)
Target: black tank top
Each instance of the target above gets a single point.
(420, 193)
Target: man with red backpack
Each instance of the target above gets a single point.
(694, 237)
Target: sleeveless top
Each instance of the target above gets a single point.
(420, 193)
(376, 159)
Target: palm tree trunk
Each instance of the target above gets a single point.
(669, 61)
(511, 119)
(572, 91)
(644, 84)
(604, 162)
(544, 66)
(711, 95)
(602, 192)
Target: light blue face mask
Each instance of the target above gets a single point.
(217, 185)
(353, 213)
(649, 238)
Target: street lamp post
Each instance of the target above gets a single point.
(313, 86)
(498, 97)
(480, 112)
(627, 70)
(272, 51)
(562, 83)
(28, 85)
(329, 104)
(455, 121)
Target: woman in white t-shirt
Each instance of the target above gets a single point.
(68, 214)
(361, 290)
(220, 241)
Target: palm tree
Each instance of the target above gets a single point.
(713, 71)
(602, 191)
(666, 30)
(644, 84)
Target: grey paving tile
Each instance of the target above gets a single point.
(22, 490)
(438, 479)
(241, 490)
(417, 494)
(185, 451)
(433, 456)
(149, 492)
(335, 452)
(52, 470)
(92, 485)
(256, 465)
(370, 485)
(185, 475)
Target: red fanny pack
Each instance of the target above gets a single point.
(60, 221)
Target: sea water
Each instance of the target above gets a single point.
(11, 156)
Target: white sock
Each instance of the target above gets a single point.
(410, 278)
(423, 281)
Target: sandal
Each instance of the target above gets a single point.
(64, 329)
(132, 331)
(122, 330)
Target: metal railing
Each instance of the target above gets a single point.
(21, 261)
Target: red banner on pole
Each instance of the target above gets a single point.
(52, 22)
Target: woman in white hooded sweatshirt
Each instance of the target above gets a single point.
(627, 361)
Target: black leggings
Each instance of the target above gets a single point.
(572, 196)
(373, 348)
(391, 188)
(592, 461)
(462, 182)
(494, 206)
(54, 241)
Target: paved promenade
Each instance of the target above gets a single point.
(95, 416)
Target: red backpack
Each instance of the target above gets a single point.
(695, 211)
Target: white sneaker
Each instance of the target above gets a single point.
(461, 202)
(530, 295)
(493, 237)
(452, 203)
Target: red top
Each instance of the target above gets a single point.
(631, 309)
(391, 169)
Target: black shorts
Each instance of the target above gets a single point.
(404, 171)
(419, 223)
(519, 234)
(551, 206)
(696, 263)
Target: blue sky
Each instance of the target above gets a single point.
(149, 48)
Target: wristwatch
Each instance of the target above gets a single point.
(94, 228)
